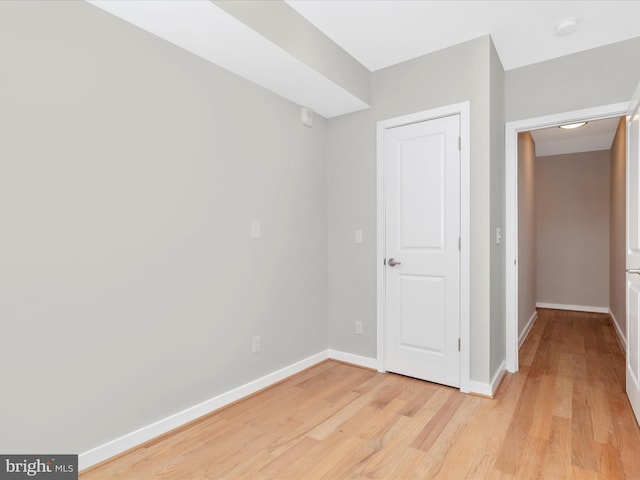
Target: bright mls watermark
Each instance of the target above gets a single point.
(49, 467)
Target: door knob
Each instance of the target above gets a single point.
(392, 262)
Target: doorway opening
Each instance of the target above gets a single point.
(513, 129)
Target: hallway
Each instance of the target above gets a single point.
(573, 417)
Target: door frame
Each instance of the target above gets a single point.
(511, 206)
(463, 110)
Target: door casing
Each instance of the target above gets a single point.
(462, 109)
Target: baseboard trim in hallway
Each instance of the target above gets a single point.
(574, 308)
(619, 334)
(527, 328)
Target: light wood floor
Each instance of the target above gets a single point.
(564, 415)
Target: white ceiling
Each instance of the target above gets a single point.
(381, 33)
(595, 135)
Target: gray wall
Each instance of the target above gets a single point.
(498, 313)
(130, 173)
(456, 74)
(572, 225)
(592, 78)
(617, 231)
(526, 229)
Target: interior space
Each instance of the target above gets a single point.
(317, 239)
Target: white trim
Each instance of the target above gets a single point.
(462, 109)
(616, 326)
(359, 360)
(511, 200)
(465, 247)
(380, 249)
(511, 247)
(575, 308)
(489, 389)
(480, 388)
(146, 433)
(497, 378)
(527, 329)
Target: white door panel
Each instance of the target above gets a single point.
(633, 309)
(420, 180)
(422, 294)
(422, 217)
(633, 255)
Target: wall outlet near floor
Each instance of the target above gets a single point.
(358, 327)
(255, 344)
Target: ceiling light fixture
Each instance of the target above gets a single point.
(571, 126)
(567, 27)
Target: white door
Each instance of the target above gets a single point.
(422, 230)
(633, 255)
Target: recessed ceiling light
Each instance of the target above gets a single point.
(567, 27)
(571, 126)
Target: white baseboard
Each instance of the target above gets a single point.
(489, 389)
(480, 388)
(576, 308)
(527, 329)
(616, 326)
(497, 378)
(359, 360)
(146, 433)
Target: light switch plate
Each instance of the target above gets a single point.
(359, 236)
(256, 229)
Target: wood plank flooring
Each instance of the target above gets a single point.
(563, 416)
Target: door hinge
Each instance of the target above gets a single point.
(458, 344)
(459, 143)
(459, 244)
